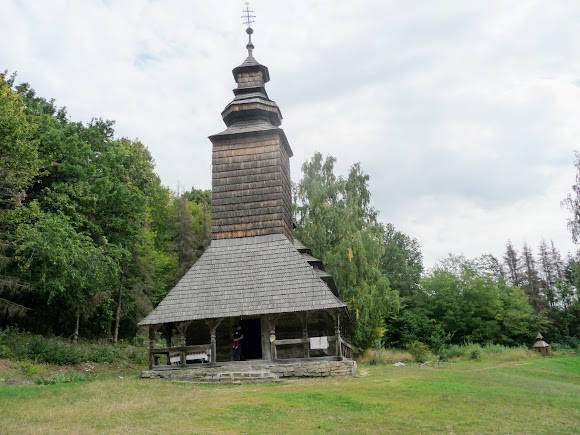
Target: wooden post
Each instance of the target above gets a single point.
(272, 327)
(306, 346)
(152, 337)
(213, 324)
(168, 335)
(182, 329)
(265, 328)
(338, 338)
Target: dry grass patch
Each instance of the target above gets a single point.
(385, 356)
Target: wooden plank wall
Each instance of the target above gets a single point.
(289, 326)
(251, 190)
(250, 79)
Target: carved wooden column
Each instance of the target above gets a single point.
(152, 338)
(306, 345)
(213, 324)
(182, 329)
(272, 327)
(338, 337)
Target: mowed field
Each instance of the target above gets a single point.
(534, 395)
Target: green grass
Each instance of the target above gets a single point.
(532, 395)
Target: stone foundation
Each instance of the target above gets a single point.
(254, 372)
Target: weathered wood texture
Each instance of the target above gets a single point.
(251, 189)
(289, 326)
(250, 79)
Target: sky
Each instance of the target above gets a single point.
(465, 115)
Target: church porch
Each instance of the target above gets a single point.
(301, 336)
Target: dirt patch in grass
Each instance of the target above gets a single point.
(6, 364)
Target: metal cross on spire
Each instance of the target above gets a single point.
(248, 21)
(248, 15)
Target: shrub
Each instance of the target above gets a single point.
(107, 354)
(475, 353)
(30, 370)
(139, 356)
(419, 351)
(447, 353)
(5, 352)
(36, 348)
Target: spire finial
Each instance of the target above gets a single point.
(248, 21)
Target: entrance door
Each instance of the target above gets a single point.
(252, 342)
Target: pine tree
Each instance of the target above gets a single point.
(548, 273)
(530, 282)
(512, 262)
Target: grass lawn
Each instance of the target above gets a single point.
(536, 395)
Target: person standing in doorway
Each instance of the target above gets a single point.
(238, 337)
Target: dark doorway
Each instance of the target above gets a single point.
(252, 342)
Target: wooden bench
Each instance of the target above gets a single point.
(201, 355)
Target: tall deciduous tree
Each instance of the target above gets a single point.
(102, 196)
(335, 219)
(19, 165)
(402, 261)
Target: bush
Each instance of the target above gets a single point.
(106, 354)
(139, 356)
(36, 348)
(30, 370)
(5, 352)
(419, 351)
(447, 353)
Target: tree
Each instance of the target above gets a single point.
(18, 166)
(193, 227)
(402, 261)
(549, 272)
(65, 266)
(335, 219)
(99, 193)
(512, 261)
(572, 203)
(462, 300)
(530, 280)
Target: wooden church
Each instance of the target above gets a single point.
(254, 275)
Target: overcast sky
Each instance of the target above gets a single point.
(465, 114)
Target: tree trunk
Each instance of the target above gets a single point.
(118, 315)
(76, 333)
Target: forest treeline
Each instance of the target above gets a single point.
(91, 241)
(396, 303)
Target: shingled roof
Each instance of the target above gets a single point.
(245, 277)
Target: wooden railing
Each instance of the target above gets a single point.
(184, 353)
(345, 346)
